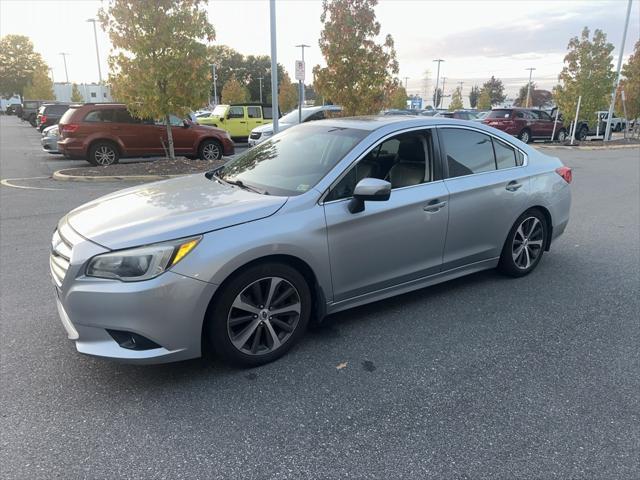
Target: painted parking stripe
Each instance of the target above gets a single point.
(7, 183)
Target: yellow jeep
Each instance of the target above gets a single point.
(238, 119)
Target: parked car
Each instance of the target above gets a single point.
(398, 111)
(480, 116)
(30, 110)
(49, 139)
(239, 119)
(585, 128)
(50, 114)
(245, 256)
(526, 124)
(14, 109)
(101, 133)
(459, 114)
(309, 114)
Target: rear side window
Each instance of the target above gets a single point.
(468, 151)
(236, 112)
(505, 155)
(100, 116)
(254, 112)
(42, 109)
(500, 113)
(316, 116)
(267, 112)
(123, 116)
(66, 118)
(57, 109)
(30, 104)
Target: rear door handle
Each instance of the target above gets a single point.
(434, 205)
(512, 186)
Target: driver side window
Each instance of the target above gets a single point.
(403, 160)
(236, 112)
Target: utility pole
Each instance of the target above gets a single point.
(51, 72)
(436, 97)
(260, 81)
(531, 69)
(405, 83)
(215, 87)
(615, 86)
(444, 79)
(301, 85)
(95, 37)
(274, 67)
(64, 57)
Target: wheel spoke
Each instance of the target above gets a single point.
(528, 258)
(285, 293)
(282, 325)
(537, 243)
(242, 338)
(520, 232)
(295, 308)
(256, 339)
(275, 341)
(534, 225)
(273, 285)
(234, 322)
(242, 305)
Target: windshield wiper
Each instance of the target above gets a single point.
(211, 173)
(241, 184)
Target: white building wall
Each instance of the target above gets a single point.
(91, 92)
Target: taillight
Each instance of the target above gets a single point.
(565, 173)
(43, 118)
(69, 128)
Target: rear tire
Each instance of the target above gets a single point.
(582, 133)
(561, 136)
(210, 150)
(525, 136)
(525, 244)
(102, 154)
(259, 314)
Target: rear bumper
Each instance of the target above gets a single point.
(72, 148)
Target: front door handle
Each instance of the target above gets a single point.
(434, 206)
(512, 186)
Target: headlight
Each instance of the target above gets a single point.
(140, 263)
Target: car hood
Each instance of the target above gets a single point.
(269, 127)
(170, 209)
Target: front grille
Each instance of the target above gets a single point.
(60, 257)
(255, 135)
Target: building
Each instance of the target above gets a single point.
(91, 92)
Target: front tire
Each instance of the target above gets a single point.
(103, 154)
(562, 135)
(210, 150)
(582, 133)
(525, 136)
(525, 244)
(260, 313)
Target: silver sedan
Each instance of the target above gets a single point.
(320, 218)
(49, 139)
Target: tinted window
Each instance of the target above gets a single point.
(254, 112)
(57, 109)
(277, 167)
(123, 116)
(519, 114)
(99, 116)
(236, 112)
(467, 151)
(267, 112)
(519, 158)
(499, 113)
(404, 160)
(505, 155)
(544, 116)
(67, 115)
(316, 116)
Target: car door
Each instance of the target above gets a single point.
(183, 135)
(254, 118)
(393, 241)
(236, 122)
(139, 137)
(488, 189)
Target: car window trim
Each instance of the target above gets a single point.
(445, 164)
(378, 143)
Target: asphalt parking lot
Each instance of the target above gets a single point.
(481, 377)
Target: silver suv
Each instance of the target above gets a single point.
(320, 218)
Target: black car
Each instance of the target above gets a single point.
(50, 114)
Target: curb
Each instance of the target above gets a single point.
(585, 147)
(63, 177)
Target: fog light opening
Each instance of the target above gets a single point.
(132, 341)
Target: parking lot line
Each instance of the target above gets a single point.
(7, 183)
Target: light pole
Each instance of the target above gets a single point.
(215, 88)
(531, 69)
(51, 72)
(405, 83)
(274, 66)
(444, 79)
(436, 97)
(260, 81)
(64, 57)
(95, 37)
(615, 86)
(301, 85)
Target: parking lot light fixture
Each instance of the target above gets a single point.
(95, 37)
(64, 58)
(531, 69)
(436, 97)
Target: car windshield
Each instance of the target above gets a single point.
(220, 110)
(295, 160)
(499, 114)
(291, 117)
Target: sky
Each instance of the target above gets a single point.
(476, 38)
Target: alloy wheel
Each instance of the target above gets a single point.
(105, 155)
(211, 151)
(562, 136)
(263, 316)
(524, 136)
(527, 243)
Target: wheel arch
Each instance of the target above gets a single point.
(547, 215)
(117, 144)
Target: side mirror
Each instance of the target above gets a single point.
(185, 124)
(371, 190)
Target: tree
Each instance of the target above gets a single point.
(538, 98)
(484, 100)
(397, 97)
(287, 94)
(234, 92)
(359, 72)
(437, 97)
(40, 87)
(456, 100)
(588, 72)
(495, 89)
(631, 83)
(159, 66)
(473, 96)
(76, 96)
(18, 64)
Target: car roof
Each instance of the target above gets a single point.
(375, 122)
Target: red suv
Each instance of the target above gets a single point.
(525, 123)
(101, 133)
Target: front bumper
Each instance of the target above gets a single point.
(169, 310)
(49, 144)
